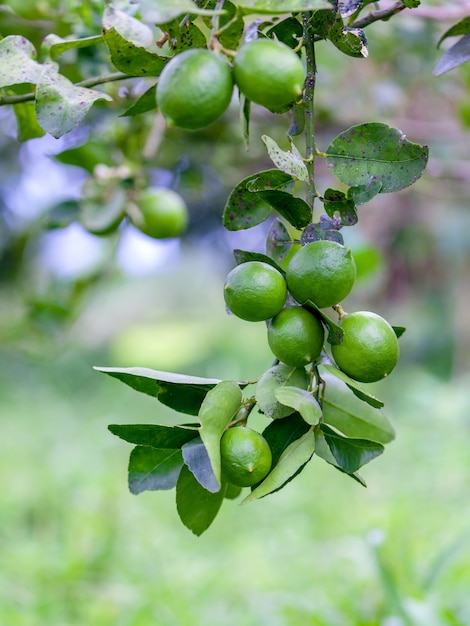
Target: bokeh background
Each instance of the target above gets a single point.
(75, 546)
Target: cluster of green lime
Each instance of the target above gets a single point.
(321, 274)
(196, 86)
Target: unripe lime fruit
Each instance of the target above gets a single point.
(322, 272)
(296, 336)
(162, 213)
(369, 350)
(269, 73)
(194, 88)
(246, 456)
(255, 291)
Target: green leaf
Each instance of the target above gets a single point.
(17, 61)
(322, 450)
(350, 41)
(411, 4)
(246, 207)
(294, 210)
(363, 193)
(180, 392)
(196, 458)
(61, 215)
(153, 435)
(289, 162)
(184, 37)
(288, 31)
(26, 118)
(231, 24)
(53, 46)
(376, 152)
(152, 469)
(336, 202)
(335, 332)
(302, 401)
(281, 433)
(244, 256)
(87, 156)
(129, 28)
(279, 242)
(273, 7)
(355, 387)
(219, 407)
(461, 28)
(196, 506)
(131, 59)
(399, 330)
(351, 454)
(61, 105)
(352, 417)
(326, 228)
(162, 11)
(291, 460)
(453, 57)
(146, 102)
(276, 377)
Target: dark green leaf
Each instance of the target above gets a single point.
(184, 37)
(26, 118)
(294, 457)
(461, 28)
(351, 454)
(453, 57)
(270, 180)
(146, 102)
(337, 203)
(376, 152)
(278, 376)
(352, 417)
(335, 332)
(350, 41)
(295, 210)
(399, 330)
(322, 22)
(326, 228)
(355, 387)
(182, 393)
(218, 408)
(281, 433)
(244, 256)
(411, 4)
(302, 401)
(152, 469)
(232, 492)
(196, 458)
(61, 105)
(323, 451)
(196, 506)
(163, 11)
(17, 61)
(289, 31)
(131, 59)
(53, 46)
(231, 24)
(289, 162)
(153, 435)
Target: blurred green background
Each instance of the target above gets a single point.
(76, 547)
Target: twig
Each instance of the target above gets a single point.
(382, 14)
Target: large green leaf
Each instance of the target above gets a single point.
(352, 417)
(322, 450)
(291, 460)
(274, 378)
(153, 435)
(196, 506)
(246, 207)
(295, 210)
(17, 61)
(281, 433)
(289, 162)
(152, 469)
(196, 458)
(53, 46)
(180, 392)
(61, 105)
(376, 152)
(219, 407)
(131, 59)
(351, 454)
(162, 11)
(302, 401)
(355, 387)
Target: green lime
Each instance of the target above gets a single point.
(296, 336)
(162, 213)
(255, 291)
(246, 456)
(322, 272)
(269, 73)
(369, 350)
(194, 88)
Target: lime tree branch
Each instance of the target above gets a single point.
(375, 16)
(309, 103)
(88, 82)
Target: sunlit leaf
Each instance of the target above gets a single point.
(355, 387)
(26, 118)
(376, 152)
(302, 401)
(196, 506)
(17, 61)
(274, 378)
(53, 46)
(289, 162)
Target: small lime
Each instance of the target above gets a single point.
(369, 350)
(246, 456)
(255, 291)
(322, 272)
(269, 73)
(296, 336)
(162, 213)
(194, 88)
